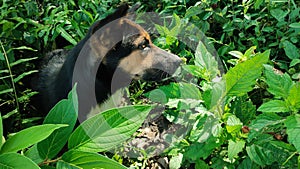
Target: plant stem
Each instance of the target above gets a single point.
(11, 78)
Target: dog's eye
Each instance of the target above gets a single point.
(142, 46)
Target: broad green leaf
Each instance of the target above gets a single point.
(279, 14)
(235, 147)
(241, 78)
(33, 154)
(244, 109)
(206, 127)
(279, 84)
(64, 112)
(28, 137)
(262, 121)
(274, 106)
(194, 70)
(189, 91)
(175, 162)
(205, 60)
(266, 153)
(88, 160)
(64, 165)
(294, 96)
(214, 98)
(201, 150)
(249, 164)
(292, 124)
(234, 124)
(174, 91)
(200, 164)
(294, 62)
(108, 129)
(291, 50)
(295, 25)
(15, 160)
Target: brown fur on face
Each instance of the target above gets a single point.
(147, 61)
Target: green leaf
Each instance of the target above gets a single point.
(1, 132)
(33, 154)
(291, 50)
(294, 62)
(244, 109)
(193, 11)
(250, 52)
(108, 129)
(88, 160)
(175, 24)
(258, 3)
(248, 163)
(64, 112)
(66, 35)
(292, 124)
(295, 25)
(234, 124)
(2, 56)
(262, 121)
(174, 91)
(28, 137)
(21, 76)
(267, 153)
(274, 106)
(236, 54)
(65, 165)
(201, 150)
(235, 147)
(205, 60)
(241, 78)
(200, 164)
(214, 98)
(205, 128)
(279, 14)
(15, 160)
(194, 70)
(19, 61)
(294, 96)
(279, 84)
(175, 162)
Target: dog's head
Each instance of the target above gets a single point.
(129, 48)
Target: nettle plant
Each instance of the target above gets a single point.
(39, 146)
(226, 127)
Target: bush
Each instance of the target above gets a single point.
(249, 118)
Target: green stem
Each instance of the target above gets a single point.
(11, 77)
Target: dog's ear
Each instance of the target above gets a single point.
(120, 12)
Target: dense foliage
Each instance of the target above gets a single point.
(237, 96)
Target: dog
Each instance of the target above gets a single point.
(115, 51)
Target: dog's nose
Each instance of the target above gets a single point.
(178, 61)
